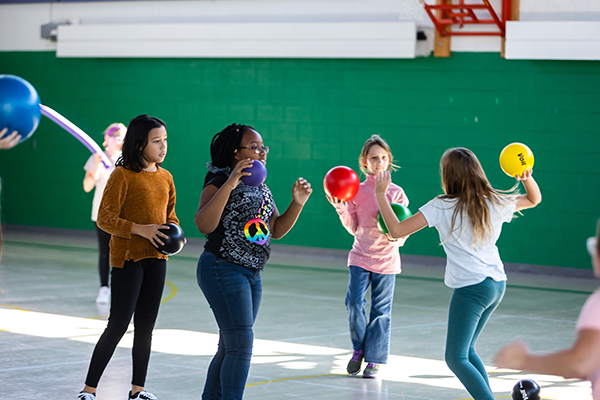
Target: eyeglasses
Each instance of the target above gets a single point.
(257, 149)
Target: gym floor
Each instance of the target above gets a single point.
(49, 324)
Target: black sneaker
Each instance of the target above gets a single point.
(143, 395)
(355, 362)
(86, 396)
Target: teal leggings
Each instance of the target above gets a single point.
(470, 309)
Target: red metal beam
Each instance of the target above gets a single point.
(461, 14)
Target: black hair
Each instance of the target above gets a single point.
(136, 141)
(224, 146)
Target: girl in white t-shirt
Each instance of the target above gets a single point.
(96, 176)
(582, 360)
(469, 218)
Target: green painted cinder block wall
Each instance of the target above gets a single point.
(316, 114)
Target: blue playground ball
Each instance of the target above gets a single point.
(19, 106)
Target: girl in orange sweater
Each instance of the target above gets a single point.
(139, 198)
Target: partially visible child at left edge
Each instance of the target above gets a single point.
(374, 260)
(139, 198)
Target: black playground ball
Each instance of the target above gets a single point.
(175, 242)
(526, 389)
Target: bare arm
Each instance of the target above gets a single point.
(532, 196)
(213, 199)
(396, 228)
(282, 224)
(577, 362)
(89, 181)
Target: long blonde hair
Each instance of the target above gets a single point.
(464, 180)
(375, 140)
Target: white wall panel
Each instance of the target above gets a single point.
(544, 40)
(319, 39)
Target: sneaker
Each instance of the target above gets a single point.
(355, 362)
(143, 395)
(103, 295)
(86, 396)
(371, 371)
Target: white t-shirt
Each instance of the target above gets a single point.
(467, 265)
(102, 175)
(589, 318)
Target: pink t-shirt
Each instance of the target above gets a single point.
(371, 249)
(589, 318)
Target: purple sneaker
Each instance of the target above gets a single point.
(371, 371)
(355, 362)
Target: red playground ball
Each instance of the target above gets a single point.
(175, 241)
(341, 182)
(259, 174)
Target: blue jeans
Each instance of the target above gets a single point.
(233, 293)
(470, 309)
(370, 335)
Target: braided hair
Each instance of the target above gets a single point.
(223, 148)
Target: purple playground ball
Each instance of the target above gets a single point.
(259, 174)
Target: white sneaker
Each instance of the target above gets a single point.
(86, 396)
(103, 295)
(143, 395)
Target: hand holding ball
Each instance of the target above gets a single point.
(259, 174)
(515, 159)
(341, 182)
(175, 241)
(401, 211)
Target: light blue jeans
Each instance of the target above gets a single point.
(470, 309)
(371, 335)
(234, 293)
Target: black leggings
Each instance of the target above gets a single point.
(103, 255)
(136, 289)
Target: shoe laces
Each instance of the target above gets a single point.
(86, 396)
(357, 356)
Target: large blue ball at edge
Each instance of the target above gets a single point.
(19, 106)
(259, 174)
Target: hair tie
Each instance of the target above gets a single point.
(216, 170)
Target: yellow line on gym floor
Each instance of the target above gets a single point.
(173, 292)
(292, 378)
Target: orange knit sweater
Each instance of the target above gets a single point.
(135, 197)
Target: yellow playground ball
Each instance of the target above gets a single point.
(515, 159)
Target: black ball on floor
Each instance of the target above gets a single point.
(526, 389)
(174, 243)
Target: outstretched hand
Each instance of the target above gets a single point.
(301, 191)
(383, 181)
(9, 141)
(511, 356)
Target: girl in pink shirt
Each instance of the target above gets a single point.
(582, 360)
(374, 260)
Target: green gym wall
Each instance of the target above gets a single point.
(316, 114)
